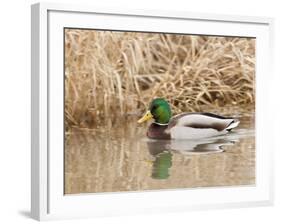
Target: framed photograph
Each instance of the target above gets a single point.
(149, 111)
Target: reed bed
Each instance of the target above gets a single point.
(112, 75)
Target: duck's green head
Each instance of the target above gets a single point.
(159, 110)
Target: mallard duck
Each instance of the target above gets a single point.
(184, 125)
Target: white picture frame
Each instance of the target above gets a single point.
(48, 200)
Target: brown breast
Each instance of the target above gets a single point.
(158, 131)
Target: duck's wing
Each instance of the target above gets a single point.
(203, 121)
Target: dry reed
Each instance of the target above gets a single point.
(110, 75)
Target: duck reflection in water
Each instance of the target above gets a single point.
(162, 159)
(163, 150)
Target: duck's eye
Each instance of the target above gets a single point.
(153, 107)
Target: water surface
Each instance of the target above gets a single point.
(119, 157)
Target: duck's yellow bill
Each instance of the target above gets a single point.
(146, 117)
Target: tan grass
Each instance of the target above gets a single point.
(109, 75)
